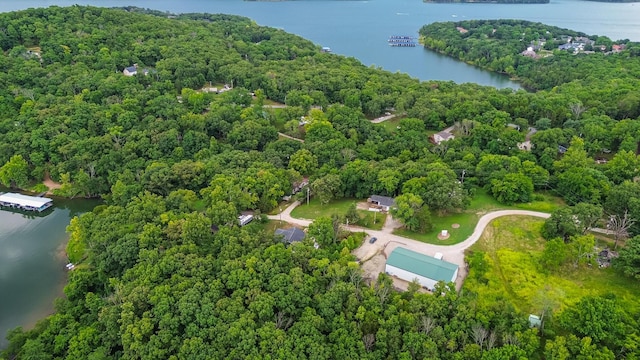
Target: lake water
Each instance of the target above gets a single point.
(32, 262)
(361, 28)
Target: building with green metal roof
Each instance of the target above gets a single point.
(409, 265)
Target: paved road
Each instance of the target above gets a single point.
(388, 241)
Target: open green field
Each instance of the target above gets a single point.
(315, 210)
(510, 271)
(371, 219)
(481, 204)
(391, 125)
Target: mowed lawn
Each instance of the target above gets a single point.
(481, 204)
(339, 206)
(315, 209)
(510, 271)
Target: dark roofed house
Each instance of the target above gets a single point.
(384, 202)
(131, 70)
(290, 235)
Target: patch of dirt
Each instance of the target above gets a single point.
(363, 205)
(440, 237)
(374, 266)
(455, 226)
(52, 185)
(402, 285)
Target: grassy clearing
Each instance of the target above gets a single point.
(481, 204)
(281, 206)
(371, 219)
(316, 210)
(272, 225)
(510, 271)
(391, 125)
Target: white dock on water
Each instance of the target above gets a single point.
(25, 202)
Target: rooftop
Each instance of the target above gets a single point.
(445, 135)
(383, 200)
(25, 200)
(420, 264)
(291, 235)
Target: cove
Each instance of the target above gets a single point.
(361, 28)
(32, 259)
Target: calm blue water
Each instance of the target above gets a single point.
(32, 260)
(361, 28)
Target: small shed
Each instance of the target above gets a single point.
(383, 202)
(535, 321)
(409, 265)
(291, 235)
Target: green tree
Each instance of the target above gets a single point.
(629, 260)
(303, 161)
(560, 224)
(326, 188)
(407, 207)
(15, 172)
(586, 216)
(575, 157)
(322, 231)
(625, 165)
(553, 255)
(352, 214)
(600, 318)
(512, 188)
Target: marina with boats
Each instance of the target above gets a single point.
(402, 41)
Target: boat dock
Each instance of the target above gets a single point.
(402, 41)
(25, 202)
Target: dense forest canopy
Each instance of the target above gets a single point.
(165, 272)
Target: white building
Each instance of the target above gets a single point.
(25, 202)
(409, 265)
(442, 136)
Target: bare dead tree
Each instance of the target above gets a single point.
(427, 324)
(577, 109)
(383, 293)
(491, 340)
(283, 321)
(368, 340)
(355, 277)
(619, 226)
(479, 334)
(510, 339)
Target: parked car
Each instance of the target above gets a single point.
(372, 240)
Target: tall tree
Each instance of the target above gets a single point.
(629, 260)
(15, 172)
